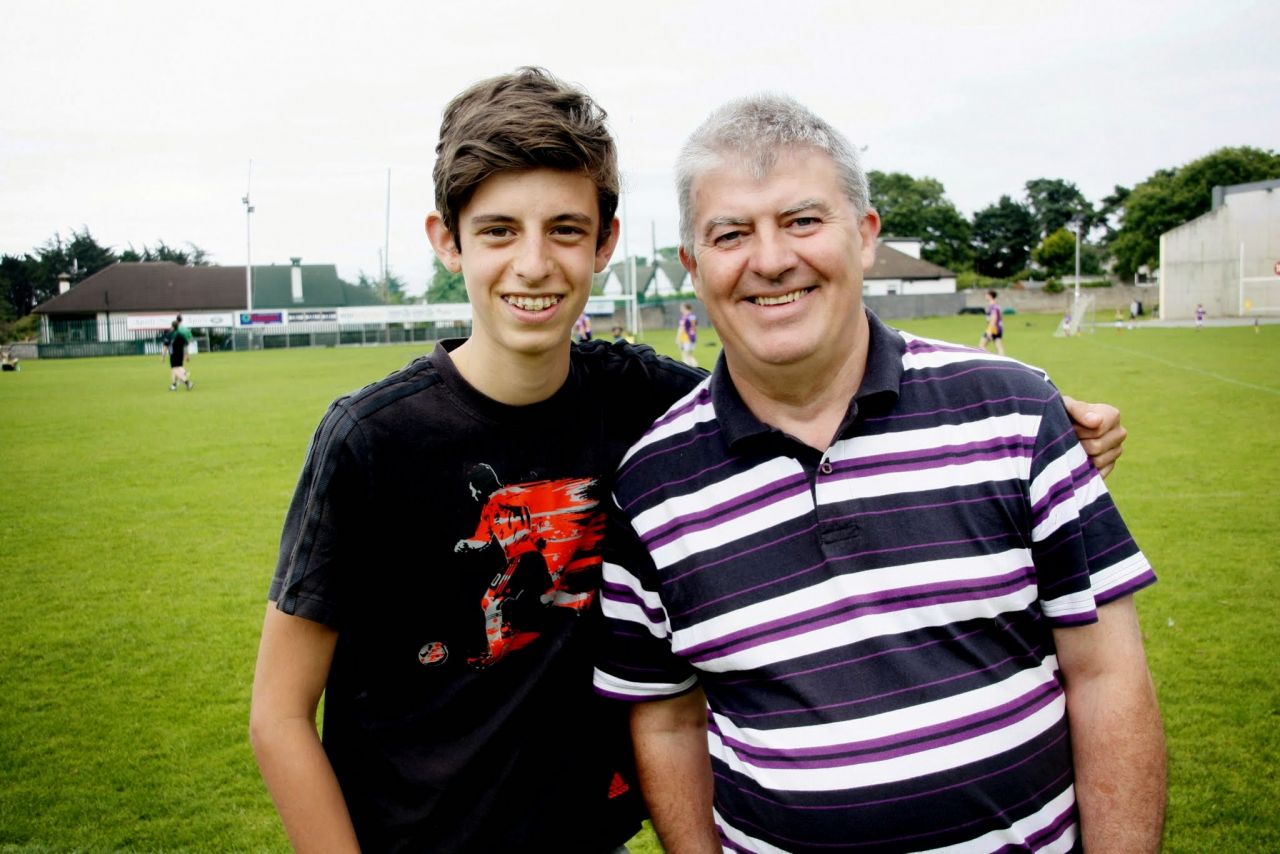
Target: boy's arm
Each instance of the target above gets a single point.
(293, 665)
(670, 738)
(1098, 428)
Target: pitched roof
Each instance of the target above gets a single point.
(892, 264)
(166, 286)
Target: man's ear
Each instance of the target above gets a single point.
(443, 242)
(605, 250)
(869, 230)
(690, 262)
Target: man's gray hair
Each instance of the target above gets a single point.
(754, 130)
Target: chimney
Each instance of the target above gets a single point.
(64, 283)
(295, 279)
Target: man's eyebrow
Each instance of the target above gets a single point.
(718, 221)
(807, 204)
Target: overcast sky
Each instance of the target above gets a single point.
(139, 119)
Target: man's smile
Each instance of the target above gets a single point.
(782, 299)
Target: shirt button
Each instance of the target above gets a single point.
(825, 468)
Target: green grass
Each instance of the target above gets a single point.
(138, 530)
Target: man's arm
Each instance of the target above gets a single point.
(1117, 741)
(670, 738)
(1098, 429)
(293, 665)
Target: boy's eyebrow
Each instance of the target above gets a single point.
(482, 220)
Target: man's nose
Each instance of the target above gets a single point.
(772, 255)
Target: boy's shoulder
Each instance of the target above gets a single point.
(624, 359)
(396, 388)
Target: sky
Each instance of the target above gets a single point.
(147, 121)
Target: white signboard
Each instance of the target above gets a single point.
(371, 314)
(192, 320)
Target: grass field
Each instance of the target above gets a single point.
(138, 530)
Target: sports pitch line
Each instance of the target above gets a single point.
(1188, 368)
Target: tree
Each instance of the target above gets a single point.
(17, 286)
(389, 289)
(1054, 203)
(918, 207)
(1056, 253)
(1111, 206)
(446, 286)
(1003, 235)
(1171, 197)
(192, 256)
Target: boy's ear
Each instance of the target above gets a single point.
(605, 251)
(442, 241)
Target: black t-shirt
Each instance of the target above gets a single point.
(453, 542)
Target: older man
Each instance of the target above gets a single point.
(874, 574)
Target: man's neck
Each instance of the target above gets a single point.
(511, 378)
(805, 400)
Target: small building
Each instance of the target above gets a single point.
(899, 269)
(1228, 259)
(130, 302)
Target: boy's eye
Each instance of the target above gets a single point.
(498, 231)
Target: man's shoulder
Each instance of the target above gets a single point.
(959, 372)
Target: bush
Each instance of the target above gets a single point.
(23, 329)
(1053, 286)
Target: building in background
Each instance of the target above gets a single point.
(1227, 259)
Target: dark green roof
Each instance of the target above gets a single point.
(321, 288)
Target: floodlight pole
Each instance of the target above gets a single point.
(1078, 224)
(248, 243)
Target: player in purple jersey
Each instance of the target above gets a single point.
(995, 325)
(687, 334)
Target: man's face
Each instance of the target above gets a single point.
(528, 252)
(778, 262)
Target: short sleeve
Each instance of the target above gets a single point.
(1084, 554)
(635, 662)
(323, 523)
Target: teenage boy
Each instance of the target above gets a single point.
(441, 555)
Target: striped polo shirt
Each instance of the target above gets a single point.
(872, 625)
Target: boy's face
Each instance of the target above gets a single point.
(528, 253)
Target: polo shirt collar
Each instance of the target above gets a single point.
(877, 393)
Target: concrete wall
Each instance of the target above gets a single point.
(1200, 260)
(664, 315)
(1116, 296)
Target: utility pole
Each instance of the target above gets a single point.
(248, 242)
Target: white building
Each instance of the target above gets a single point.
(1227, 260)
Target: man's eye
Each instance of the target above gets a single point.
(805, 221)
(728, 238)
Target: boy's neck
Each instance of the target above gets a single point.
(515, 379)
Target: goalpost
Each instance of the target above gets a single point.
(1079, 318)
(1258, 294)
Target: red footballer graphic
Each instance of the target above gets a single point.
(549, 531)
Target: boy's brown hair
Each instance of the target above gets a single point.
(524, 120)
